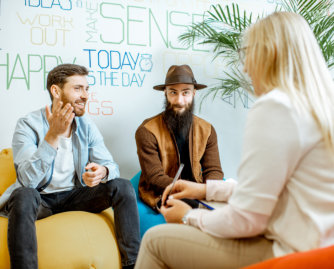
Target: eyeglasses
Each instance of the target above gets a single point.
(242, 54)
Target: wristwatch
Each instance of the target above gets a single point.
(184, 218)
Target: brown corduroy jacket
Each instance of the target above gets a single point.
(159, 156)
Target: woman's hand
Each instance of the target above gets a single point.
(174, 210)
(185, 189)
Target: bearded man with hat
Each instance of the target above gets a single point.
(176, 136)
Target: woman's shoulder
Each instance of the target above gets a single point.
(273, 100)
(275, 96)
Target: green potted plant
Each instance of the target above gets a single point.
(222, 28)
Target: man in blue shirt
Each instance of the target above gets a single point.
(62, 164)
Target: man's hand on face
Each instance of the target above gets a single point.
(60, 120)
(94, 175)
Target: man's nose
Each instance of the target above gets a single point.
(180, 99)
(84, 94)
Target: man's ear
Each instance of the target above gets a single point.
(55, 91)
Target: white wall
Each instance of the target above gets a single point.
(36, 35)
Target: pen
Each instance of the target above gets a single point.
(178, 173)
(206, 205)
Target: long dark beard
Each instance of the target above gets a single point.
(179, 123)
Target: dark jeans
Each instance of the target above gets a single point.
(26, 205)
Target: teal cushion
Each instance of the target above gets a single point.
(148, 217)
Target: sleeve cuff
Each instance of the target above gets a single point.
(219, 190)
(113, 172)
(193, 216)
(105, 179)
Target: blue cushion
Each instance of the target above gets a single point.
(148, 217)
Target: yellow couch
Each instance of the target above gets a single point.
(67, 240)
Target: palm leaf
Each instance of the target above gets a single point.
(316, 13)
(222, 28)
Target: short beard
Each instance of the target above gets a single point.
(179, 123)
(76, 113)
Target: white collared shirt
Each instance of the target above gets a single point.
(286, 182)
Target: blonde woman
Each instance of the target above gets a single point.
(284, 199)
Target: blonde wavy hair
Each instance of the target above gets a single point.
(283, 50)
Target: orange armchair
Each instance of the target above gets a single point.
(321, 258)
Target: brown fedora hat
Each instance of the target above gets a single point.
(179, 74)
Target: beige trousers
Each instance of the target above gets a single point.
(181, 246)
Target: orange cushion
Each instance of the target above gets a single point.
(321, 258)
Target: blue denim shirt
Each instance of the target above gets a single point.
(34, 157)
